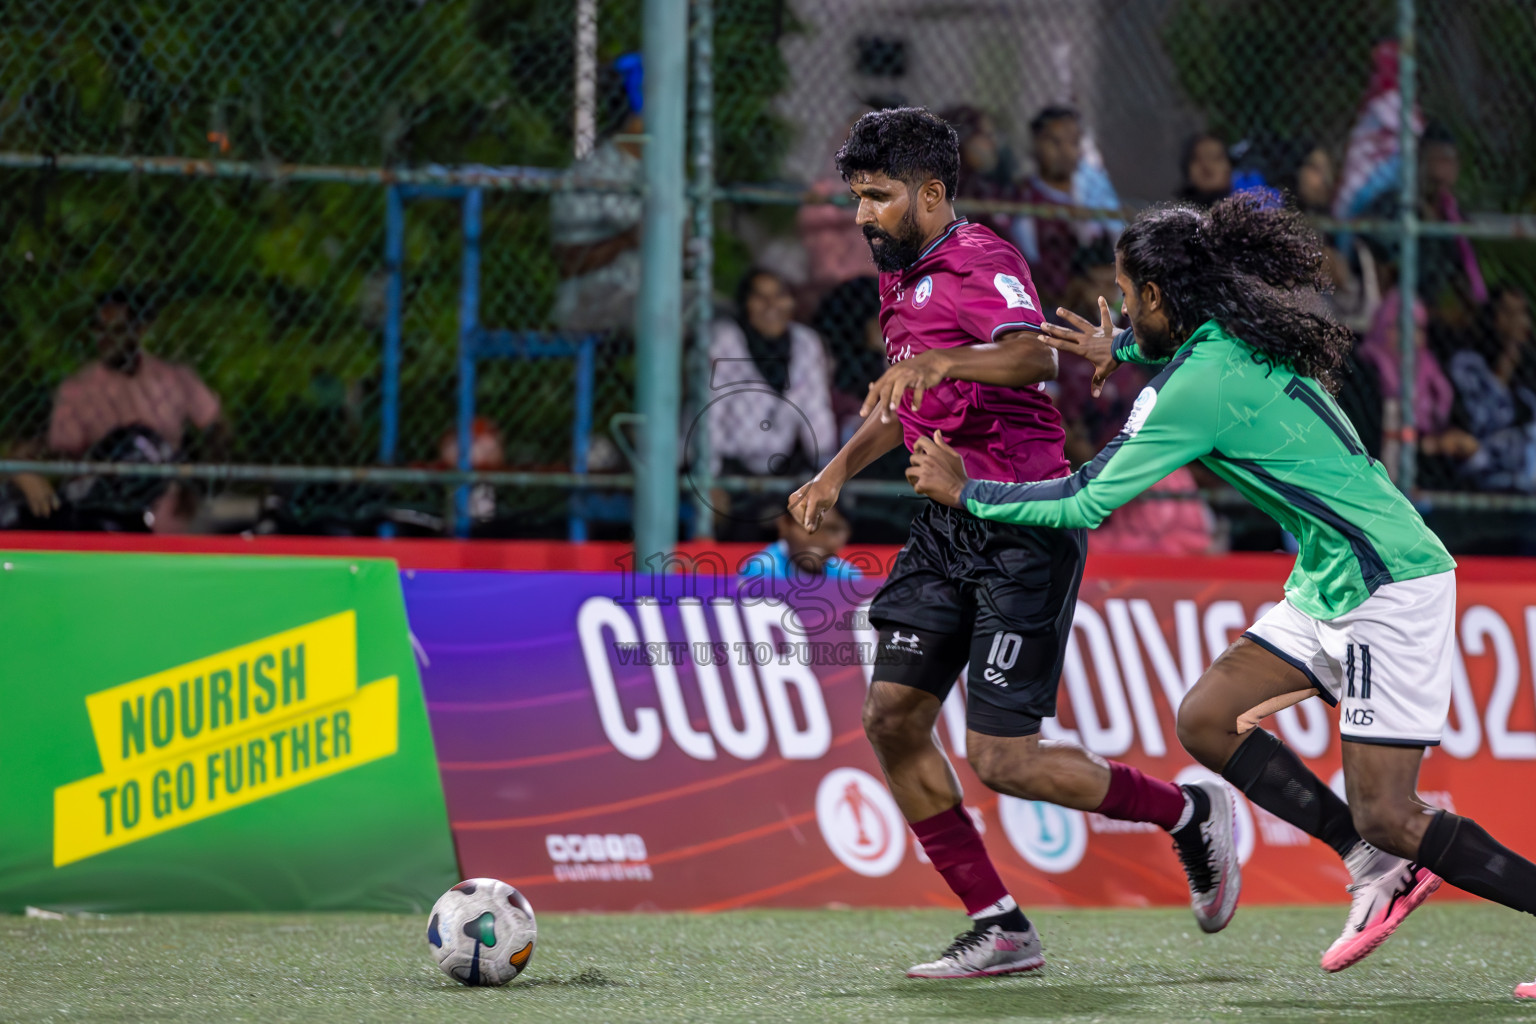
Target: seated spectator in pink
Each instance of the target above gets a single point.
(129, 387)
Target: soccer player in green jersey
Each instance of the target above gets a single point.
(1226, 302)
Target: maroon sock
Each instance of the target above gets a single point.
(1136, 796)
(951, 841)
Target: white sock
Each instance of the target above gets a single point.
(1002, 906)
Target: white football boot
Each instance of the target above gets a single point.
(1209, 856)
(982, 954)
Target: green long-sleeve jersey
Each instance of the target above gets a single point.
(1278, 438)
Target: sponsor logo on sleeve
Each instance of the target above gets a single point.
(1013, 291)
(1145, 402)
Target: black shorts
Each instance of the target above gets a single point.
(996, 595)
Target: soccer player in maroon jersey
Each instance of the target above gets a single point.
(960, 317)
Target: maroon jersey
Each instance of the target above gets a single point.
(968, 287)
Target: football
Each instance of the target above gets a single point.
(482, 932)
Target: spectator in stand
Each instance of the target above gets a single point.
(835, 247)
(1356, 291)
(1062, 178)
(130, 391)
(1494, 396)
(1207, 167)
(1450, 277)
(1443, 448)
(986, 167)
(770, 410)
(1093, 275)
(848, 320)
(800, 554)
(1353, 272)
(596, 233)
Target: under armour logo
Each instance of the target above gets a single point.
(904, 643)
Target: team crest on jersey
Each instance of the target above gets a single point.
(922, 293)
(1013, 292)
(1140, 411)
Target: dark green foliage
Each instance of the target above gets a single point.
(273, 292)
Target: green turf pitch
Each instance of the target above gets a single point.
(1449, 962)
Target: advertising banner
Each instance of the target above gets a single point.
(609, 748)
(201, 733)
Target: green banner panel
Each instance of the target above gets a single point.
(182, 732)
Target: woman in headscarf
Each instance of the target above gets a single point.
(1442, 447)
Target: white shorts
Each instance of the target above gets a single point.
(1387, 664)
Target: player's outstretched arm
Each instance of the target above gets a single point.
(1015, 360)
(1172, 424)
(874, 438)
(1103, 346)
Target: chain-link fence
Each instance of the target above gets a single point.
(1063, 107)
(255, 216)
(357, 254)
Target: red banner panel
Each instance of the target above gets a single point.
(618, 742)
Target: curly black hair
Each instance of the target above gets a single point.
(910, 144)
(1250, 264)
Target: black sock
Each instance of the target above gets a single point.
(1200, 809)
(1271, 775)
(1460, 851)
(1009, 921)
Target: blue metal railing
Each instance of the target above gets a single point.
(476, 344)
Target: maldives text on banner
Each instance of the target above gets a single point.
(704, 751)
(214, 733)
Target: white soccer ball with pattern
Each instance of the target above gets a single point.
(482, 932)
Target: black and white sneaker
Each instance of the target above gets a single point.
(1208, 851)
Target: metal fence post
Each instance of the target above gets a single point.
(658, 327)
(469, 339)
(701, 474)
(1408, 251)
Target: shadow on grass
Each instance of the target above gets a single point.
(589, 977)
(1012, 997)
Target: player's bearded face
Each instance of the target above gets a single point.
(1151, 327)
(1156, 339)
(896, 250)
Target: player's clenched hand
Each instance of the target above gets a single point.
(937, 470)
(811, 502)
(1081, 338)
(917, 375)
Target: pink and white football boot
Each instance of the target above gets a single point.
(1385, 890)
